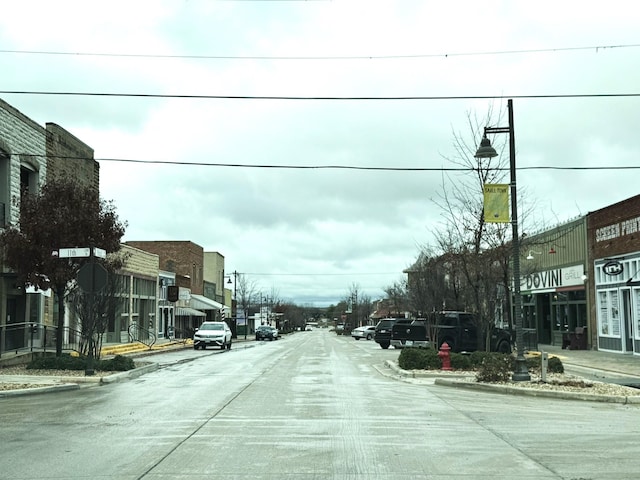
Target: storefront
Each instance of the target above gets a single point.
(555, 306)
(614, 240)
(618, 303)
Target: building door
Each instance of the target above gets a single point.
(627, 320)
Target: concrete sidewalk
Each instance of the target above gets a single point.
(608, 364)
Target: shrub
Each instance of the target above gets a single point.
(461, 362)
(495, 368)
(419, 359)
(410, 359)
(476, 358)
(555, 365)
(50, 362)
(119, 363)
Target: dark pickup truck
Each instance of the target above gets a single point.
(382, 333)
(457, 329)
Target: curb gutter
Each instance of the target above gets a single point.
(453, 381)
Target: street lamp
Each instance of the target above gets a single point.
(234, 305)
(521, 372)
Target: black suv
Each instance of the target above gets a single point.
(382, 334)
(266, 332)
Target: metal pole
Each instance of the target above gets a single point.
(520, 372)
(89, 369)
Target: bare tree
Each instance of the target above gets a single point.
(397, 297)
(475, 251)
(96, 311)
(246, 292)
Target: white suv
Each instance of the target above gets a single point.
(212, 333)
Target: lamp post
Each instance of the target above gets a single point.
(234, 306)
(521, 372)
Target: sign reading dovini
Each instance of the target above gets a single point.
(551, 279)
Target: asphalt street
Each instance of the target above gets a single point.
(312, 405)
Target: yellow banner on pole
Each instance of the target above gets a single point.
(496, 203)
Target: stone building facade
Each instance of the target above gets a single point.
(23, 166)
(69, 157)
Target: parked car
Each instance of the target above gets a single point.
(382, 334)
(212, 333)
(366, 332)
(339, 329)
(266, 332)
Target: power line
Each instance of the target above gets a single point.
(327, 98)
(338, 167)
(595, 48)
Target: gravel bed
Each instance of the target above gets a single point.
(554, 382)
(570, 383)
(23, 371)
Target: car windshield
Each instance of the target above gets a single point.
(211, 326)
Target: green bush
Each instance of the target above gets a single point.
(460, 361)
(410, 359)
(50, 362)
(495, 368)
(476, 358)
(553, 366)
(419, 359)
(491, 366)
(119, 363)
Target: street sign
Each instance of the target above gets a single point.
(81, 252)
(92, 277)
(74, 252)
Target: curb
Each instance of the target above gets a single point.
(39, 390)
(531, 392)
(450, 381)
(135, 373)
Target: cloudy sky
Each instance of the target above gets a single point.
(204, 163)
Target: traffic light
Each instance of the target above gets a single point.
(172, 293)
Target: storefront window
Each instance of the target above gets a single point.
(609, 313)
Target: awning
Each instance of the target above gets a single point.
(189, 312)
(201, 302)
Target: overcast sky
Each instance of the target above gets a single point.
(311, 234)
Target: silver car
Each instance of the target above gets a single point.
(363, 332)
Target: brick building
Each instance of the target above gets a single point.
(614, 246)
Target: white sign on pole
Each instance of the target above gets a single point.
(74, 252)
(81, 252)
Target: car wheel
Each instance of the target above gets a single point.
(504, 347)
(203, 346)
(384, 345)
(369, 337)
(357, 338)
(195, 347)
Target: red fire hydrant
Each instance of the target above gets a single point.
(444, 356)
